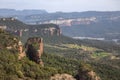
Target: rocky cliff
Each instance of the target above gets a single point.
(34, 49)
(25, 31)
(85, 72)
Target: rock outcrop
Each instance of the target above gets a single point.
(34, 49)
(62, 77)
(86, 73)
(21, 51)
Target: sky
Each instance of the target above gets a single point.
(63, 5)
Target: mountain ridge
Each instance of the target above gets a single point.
(12, 12)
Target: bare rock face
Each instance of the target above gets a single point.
(62, 77)
(21, 51)
(55, 30)
(93, 76)
(34, 49)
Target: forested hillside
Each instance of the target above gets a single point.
(11, 68)
(82, 59)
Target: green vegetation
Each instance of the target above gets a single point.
(35, 45)
(102, 62)
(13, 24)
(74, 50)
(11, 68)
(100, 54)
(8, 41)
(107, 71)
(86, 73)
(85, 48)
(61, 55)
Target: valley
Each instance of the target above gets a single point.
(96, 57)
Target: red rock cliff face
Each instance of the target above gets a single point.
(41, 47)
(34, 49)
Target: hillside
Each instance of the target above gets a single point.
(104, 60)
(51, 34)
(11, 68)
(25, 31)
(61, 55)
(8, 41)
(92, 24)
(12, 24)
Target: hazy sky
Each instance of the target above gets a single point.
(63, 5)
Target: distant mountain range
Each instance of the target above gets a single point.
(13, 12)
(74, 24)
(65, 18)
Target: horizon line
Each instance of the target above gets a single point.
(62, 11)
